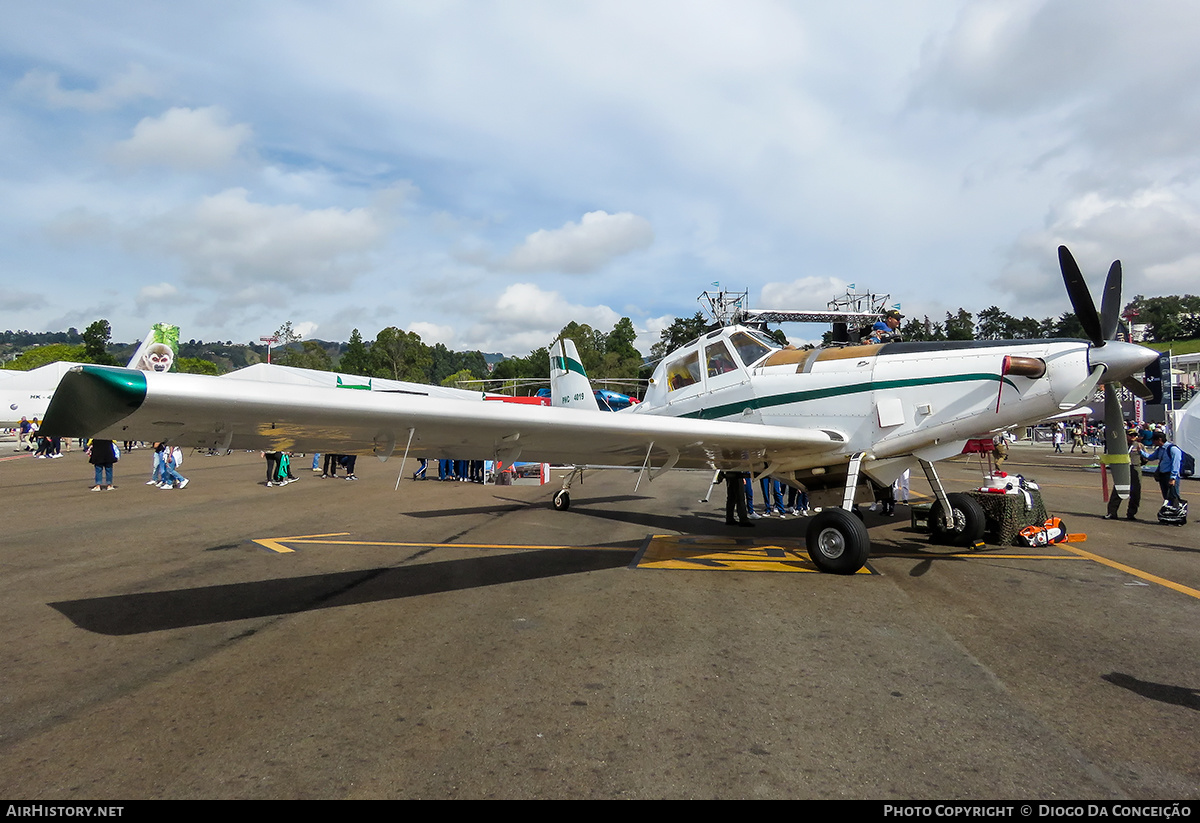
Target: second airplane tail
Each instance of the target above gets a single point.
(569, 384)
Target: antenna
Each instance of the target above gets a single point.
(867, 302)
(723, 305)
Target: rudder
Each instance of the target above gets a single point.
(569, 384)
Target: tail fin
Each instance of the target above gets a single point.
(158, 351)
(569, 384)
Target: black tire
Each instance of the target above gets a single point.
(964, 528)
(837, 541)
(561, 500)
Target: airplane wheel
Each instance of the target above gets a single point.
(562, 500)
(838, 542)
(965, 526)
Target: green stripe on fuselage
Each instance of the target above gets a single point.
(729, 409)
(567, 364)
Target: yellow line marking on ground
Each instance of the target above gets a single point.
(275, 544)
(668, 551)
(1179, 587)
(980, 555)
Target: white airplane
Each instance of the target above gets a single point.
(27, 393)
(732, 399)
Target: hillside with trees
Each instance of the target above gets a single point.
(1171, 321)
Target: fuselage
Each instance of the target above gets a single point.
(883, 400)
(27, 393)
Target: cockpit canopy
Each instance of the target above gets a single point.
(717, 353)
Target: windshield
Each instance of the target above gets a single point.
(751, 346)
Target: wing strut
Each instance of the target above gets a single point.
(411, 431)
(645, 465)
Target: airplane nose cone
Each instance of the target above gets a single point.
(1121, 360)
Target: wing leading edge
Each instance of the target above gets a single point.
(202, 411)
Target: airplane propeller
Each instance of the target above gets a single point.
(1109, 357)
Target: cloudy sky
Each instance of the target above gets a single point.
(484, 172)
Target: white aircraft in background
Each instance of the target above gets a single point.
(27, 393)
(732, 399)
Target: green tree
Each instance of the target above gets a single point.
(920, 329)
(960, 326)
(196, 365)
(1067, 325)
(400, 355)
(995, 324)
(452, 379)
(356, 359)
(585, 337)
(682, 330)
(619, 341)
(309, 355)
(45, 355)
(535, 365)
(95, 343)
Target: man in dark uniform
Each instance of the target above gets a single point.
(1135, 481)
(735, 498)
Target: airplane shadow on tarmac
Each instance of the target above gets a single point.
(516, 506)
(1175, 695)
(128, 614)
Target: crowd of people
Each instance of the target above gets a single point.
(739, 499)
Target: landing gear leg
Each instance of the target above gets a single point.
(955, 519)
(562, 498)
(837, 541)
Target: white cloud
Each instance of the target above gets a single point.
(157, 293)
(1151, 231)
(134, 83)
(431, 333)
(305, 328)
(525, 317)
(805, 294)
(186, 139)
(581, 247)
(229, 242)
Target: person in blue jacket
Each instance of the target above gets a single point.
(1170, 462)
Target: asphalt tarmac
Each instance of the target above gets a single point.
(450, 640)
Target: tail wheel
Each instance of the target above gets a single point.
(838, 542)
(963, 526)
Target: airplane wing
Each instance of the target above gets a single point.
(202, 411)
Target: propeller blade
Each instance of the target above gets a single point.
(1116, 449)
(1081, 298)
(1084, 390)
(1110, 302)
(1138, 387)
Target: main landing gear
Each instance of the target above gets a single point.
(838, 542)
(836, 538)
(954, 519)
(562, 498)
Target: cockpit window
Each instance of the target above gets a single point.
(683, 372)
(716, 356)
(749, 348)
